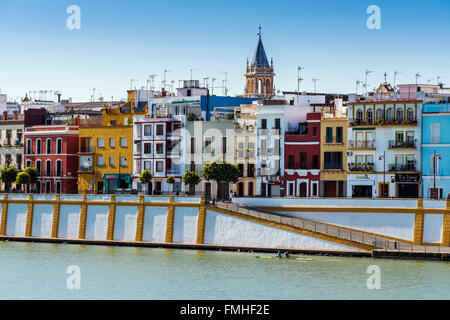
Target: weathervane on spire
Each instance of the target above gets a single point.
(260, 33)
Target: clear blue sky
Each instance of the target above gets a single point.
(120, 40)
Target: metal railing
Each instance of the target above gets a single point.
(377, 242)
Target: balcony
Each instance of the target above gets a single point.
(361, 167)
(361, 144)
(402, 168)
(402, 144)
(380, 122)
(334, 140)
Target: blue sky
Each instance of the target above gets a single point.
(120, 40)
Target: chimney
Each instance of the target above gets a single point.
(16, 115)
(5, 115)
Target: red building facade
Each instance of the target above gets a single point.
(52, 150)
(302, 158)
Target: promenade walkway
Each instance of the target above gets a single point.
(332, 232)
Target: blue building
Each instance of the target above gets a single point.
(436, 150)
(221, 104)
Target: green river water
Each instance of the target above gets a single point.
(39, 271)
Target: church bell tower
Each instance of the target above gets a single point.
(259, 74)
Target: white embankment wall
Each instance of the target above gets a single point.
(221, 229)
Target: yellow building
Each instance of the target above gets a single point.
(106, 150)
(333, 152)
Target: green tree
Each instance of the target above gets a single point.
(23, 178)
(8, 176)
(171, 180)
(33, 173)
(221, 172)
(146, 178)
(191, 179)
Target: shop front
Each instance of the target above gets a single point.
(407, 185)
(118, 183)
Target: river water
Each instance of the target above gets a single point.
(39, 271)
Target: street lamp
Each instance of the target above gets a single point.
(383, 157)
(435, 157)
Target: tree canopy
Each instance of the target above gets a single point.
(221, 172)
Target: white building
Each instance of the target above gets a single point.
(270, 146)
(384, 147)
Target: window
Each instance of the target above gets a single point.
(123, 142)
(369, 116)
(113, 123)
(111, 142)
(315, 162)
(339, 134)
(263, 147)
(58, 187)
(28, 146)
(59, 146)
(400, 115)
(19, 161)
(314, 131)
(38, 167)
(48, 168)
(192, 145)
(49, 146)
(410, 114)
(333, 160)
(224, 146)
(147, 165)
(302, 160)
(38, 146)
(159, 166)
(314, 192)
(241, 169)
(390, 116)
(159, 129)
(159, 148)
(359, 116)
(263, 123)
(148, 130)
(100, 142)
(435, 133)
(111, 161)
(329, 135)
(28, 164)
(278, 124)
(303, 128)
(380, 115)
(291, 162)
(123, 161)
(208, 142)
(100, 161)
(147, 148)
(58, 168)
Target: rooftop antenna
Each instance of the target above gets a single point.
(212, 86)
(226, 80)
(385, 77)
(93, 95)
(191, 72)
(152, 81)
(299, 79)
(365, 83)
(205, 82)
(417, 77)
(164, 81)
(131, 83)
(315, 83)
(395, 78)
(171, 86)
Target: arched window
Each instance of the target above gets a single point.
(410, 114)
(29, 146)
(49, 146)
(28, 164)
(38, 167)
(359, 116)
(59, 168)
(369, 116)
(58, 187)
(380, 115)
(400, 115)
(59, 146)
(389, 115)
(48, 187)
(48, 168)
(38, 146)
